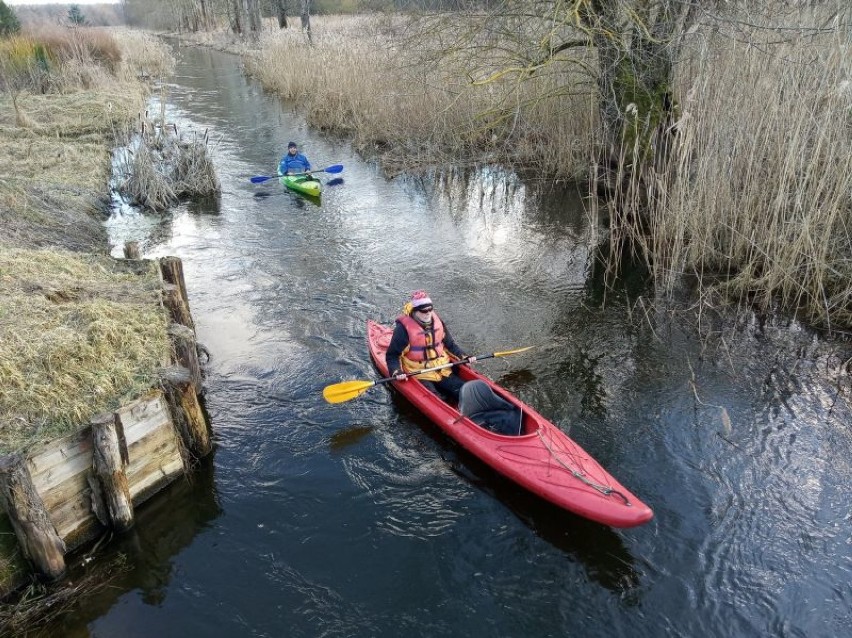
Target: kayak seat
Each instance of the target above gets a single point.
(479, 403)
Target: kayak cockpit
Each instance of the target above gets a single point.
(490, 411)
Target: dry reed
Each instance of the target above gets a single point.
(759, 188)
(39, 604)
(363, 79)
(162, 166)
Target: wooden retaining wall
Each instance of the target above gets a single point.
(66, 492)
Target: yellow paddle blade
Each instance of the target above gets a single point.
(346, 391)
(505, 352)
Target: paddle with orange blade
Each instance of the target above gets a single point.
(348, 390)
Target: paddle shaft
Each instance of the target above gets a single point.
(347, 390)
(441, 367)
(333, 169)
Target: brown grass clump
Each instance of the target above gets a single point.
(162, 166)
(43, 215)
(79, 334)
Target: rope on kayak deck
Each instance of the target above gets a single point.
(603, 489)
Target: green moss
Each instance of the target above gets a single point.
(644, 103)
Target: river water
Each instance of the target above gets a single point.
(360, 519)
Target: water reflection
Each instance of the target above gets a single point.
(164, 526)
(342, 439)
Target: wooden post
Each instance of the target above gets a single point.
(175, 305)
(131, 250)
(172, 270)
(36, 533)
(186, 353)
(187, 414)
(109, 457)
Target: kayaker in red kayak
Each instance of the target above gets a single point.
(294, 161)
(421, 340)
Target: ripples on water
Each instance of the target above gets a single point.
(360, 519)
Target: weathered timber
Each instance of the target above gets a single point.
(36, 534)
(187, 414)
(172, 271)
(108, 463)
(60, 471)
(176, 306)
(186, 352)
(153, 446)
(131, 250)
(70, 489)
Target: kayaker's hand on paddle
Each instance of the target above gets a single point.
(399, 376)
(471, 359)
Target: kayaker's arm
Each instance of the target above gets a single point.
(398, 343)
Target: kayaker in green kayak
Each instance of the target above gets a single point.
(293, 161)
(421, 340)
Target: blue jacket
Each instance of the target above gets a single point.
(297, 163)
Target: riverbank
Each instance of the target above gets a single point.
(69, 311)
(80, 333)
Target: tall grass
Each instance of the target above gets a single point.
(757, 199)
(50, 59)
(361, 78)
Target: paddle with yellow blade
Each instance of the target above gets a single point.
(348, 390)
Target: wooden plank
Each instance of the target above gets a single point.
(68, 489)
(143, 417)
(156, 480)
(55, 453)
(47, 481)
(149, 459)
(71, 513)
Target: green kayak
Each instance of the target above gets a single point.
(305, 184)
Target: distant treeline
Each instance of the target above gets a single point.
(95, 15)
(243, 16)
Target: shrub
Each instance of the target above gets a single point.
(9, 24)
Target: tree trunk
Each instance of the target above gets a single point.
(306, 19)
(281, 11)
(252, 9)
(205, 15)
(237, 18)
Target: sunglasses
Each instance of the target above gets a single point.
(423, 309)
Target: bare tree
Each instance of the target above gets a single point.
(626, 47)
(306, 19)
(281, 12)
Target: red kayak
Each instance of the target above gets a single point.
(543, 459)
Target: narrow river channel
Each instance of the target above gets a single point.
(360, 519)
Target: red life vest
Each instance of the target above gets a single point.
(425, 348)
